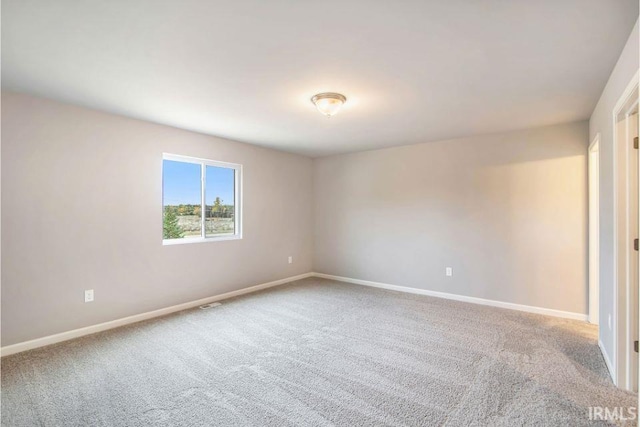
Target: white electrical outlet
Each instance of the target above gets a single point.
(610, 323)
(449, 271)
(290, 260)
(88, 295)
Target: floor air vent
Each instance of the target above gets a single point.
(210, 305)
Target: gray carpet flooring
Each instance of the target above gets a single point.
(318, 353)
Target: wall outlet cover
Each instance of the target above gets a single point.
(88, 295)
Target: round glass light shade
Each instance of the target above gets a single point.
(328, 103)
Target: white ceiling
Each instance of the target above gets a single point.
(413, 71)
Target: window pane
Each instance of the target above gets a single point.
(220, 201)
(181, 200)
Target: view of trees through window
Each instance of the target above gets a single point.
(183, 200)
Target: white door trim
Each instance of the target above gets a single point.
(622, 249)
(594, 229)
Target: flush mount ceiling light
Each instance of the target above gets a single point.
(328, 103)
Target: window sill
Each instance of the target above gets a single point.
(171, 242)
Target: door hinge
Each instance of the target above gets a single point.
(635, 244)
(635, 142)
(635, 346)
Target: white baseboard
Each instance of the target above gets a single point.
(76, 333)
(474, 300)
(607, 361)
(65, 336)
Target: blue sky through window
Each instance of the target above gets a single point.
(220, 183)
(181, 184)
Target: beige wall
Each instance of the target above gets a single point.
(601, 122)
(82, 210)
(508, 212)
(82, 197)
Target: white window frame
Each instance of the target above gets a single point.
(203, 177)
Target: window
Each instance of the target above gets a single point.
(200, 200)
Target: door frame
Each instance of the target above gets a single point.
(594, 229)
(622, 249)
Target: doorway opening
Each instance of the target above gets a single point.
(625, 133)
